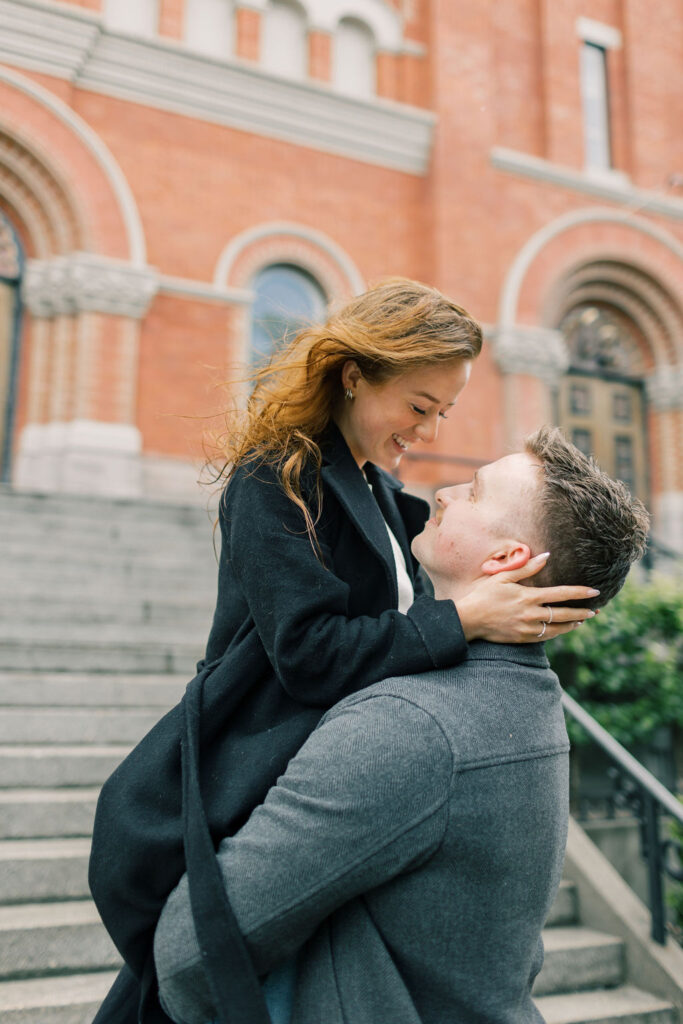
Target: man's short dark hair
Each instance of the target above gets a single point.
(592, 526)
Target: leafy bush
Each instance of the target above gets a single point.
(625, 666)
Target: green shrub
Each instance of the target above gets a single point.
(625, 667)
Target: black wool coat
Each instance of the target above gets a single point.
(292, 634)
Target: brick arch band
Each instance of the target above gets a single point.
(75, 198)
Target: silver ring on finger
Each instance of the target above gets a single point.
(549, 607)
(539, 635)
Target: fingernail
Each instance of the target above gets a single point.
(546, 554)
(590, 614)
(592, 592)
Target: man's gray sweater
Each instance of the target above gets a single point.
(409, 854)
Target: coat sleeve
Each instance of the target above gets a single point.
(301, 608)
(351, 812)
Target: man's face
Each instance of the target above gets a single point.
(478, 522)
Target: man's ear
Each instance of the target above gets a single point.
(513, 555)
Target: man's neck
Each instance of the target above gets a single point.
(448, 587)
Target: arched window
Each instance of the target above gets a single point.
(284, 46)
(286, 298)
(209, 27)
(136, 17)
(353, 70)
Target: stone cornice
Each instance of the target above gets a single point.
(82, 282)
(536, 351)
(70, 43)
(611, 185)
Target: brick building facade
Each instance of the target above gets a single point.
(159, 157)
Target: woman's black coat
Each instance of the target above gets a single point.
(292, 634)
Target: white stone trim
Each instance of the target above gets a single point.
(412, 48)
(535, 351)
(206, 290)
(532, 247)
(384, 20)
(80, 457)
(606, 184)
(83, 282)
(89, 138)
(164, 74)
(598, 33)
(244, 96)
(664, 388)
(274, 229)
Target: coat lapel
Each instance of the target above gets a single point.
(342, 475)
(386, 489)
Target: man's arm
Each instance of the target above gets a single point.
(365, 799)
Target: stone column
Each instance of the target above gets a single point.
(532, 361)
(81, 435)
(665, 395)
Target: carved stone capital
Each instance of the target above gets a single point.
(665, 388)
(83, 282)
(537, 351)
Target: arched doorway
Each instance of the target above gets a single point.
(601, 397)
(11, 267)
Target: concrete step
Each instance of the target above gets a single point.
(577, 959)
(21, 504)
(171, 573)
(625, 1005)
(106, 633)
(69, 539)
(47, 813)
(35, 656)
(66, 689)
(76, 725)
(53, 938)
(73, 999)
(34, 767)
(75, 609)
(33, 870)
(564, 910)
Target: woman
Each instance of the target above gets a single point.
(318, 592)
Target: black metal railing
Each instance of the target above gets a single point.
(637, 789)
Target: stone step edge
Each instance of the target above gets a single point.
(59, 990)
(598, 1005)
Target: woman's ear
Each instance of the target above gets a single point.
(350, 374)
(513, 555)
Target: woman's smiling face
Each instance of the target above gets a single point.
(382, 421)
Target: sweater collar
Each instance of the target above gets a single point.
(523, 654)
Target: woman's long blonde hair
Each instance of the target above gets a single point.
(397, 326)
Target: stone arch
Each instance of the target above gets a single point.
(632, 268)
(630, 288)
(585, 249)
(37, 196)
(64, 180)
(383, 18)
(284, 242)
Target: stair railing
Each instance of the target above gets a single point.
(639, 790)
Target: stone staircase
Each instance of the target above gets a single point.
(104, 608)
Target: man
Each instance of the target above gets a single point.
(402, 868)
